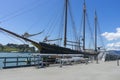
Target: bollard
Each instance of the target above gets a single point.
(117, 62)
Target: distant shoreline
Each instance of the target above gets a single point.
(17, 52)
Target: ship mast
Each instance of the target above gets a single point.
(95, 32)
(65, 26)
(84, 11)
(96, 37)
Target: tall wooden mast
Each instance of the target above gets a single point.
(65, 26)
(95, 31)
(84, 11)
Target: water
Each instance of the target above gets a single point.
(13, 55)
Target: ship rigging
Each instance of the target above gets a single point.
(46, 48)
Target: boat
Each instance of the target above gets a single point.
(45, 48)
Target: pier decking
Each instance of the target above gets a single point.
(92, 71)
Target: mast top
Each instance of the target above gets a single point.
(95, 15)
(84, 6)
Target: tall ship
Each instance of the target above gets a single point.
(46, 48)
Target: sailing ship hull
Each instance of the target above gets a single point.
(55, 49)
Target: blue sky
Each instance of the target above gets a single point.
(34, 16)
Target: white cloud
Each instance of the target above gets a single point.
(112, 35)
(113, 46)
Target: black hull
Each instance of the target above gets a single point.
(54, 49)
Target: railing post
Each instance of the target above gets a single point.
(34, 59)
(117, 61)
(27, 61)
(5, 62)
(17, 61)
(30, 60)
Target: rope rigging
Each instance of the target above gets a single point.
(39, 19)
(53, 25)
(80, 37)
(20, 12)
(101, 39)
(10, 37)
(91, 32)
(75, 35)
(60, 32)
(87, 24)
(73, 23)
(25, 9)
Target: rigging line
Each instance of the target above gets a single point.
(80, 35)
(48, 23)
(55, 22)
(81, 27)
(24, 7)
(52, 26)
(38, 20)
(33, 25)
(20, 13)
(60, 32)
(51, 21)
(8, 37)
(37, 40)
(17, 38)
(73, 22)
(61, 26)
(90, 29)
(11, 38)
(20, 40)
(49, 28)
(99, 30)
